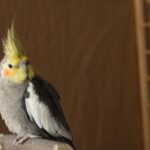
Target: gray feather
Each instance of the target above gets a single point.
(11, 110)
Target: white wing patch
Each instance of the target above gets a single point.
(40, 113)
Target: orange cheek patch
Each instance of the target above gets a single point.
(6, 72)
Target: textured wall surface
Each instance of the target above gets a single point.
(87, 50)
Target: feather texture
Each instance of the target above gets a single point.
(43, 109)
(12, 45)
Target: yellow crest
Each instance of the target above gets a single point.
(12, 45)
(13, 50)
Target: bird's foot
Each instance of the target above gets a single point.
(20, 140)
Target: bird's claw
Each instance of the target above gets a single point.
(21, 140)
(16, 140)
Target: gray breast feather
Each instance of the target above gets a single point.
(39, 113)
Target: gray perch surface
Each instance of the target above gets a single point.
(6, 143)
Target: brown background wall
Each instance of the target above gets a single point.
(87, 50)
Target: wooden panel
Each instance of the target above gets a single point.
(87, 50)
(143, 35)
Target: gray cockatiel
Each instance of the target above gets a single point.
(28, 104)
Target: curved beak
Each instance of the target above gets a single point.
(23, 64)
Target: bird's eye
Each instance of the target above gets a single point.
(27, 62)
(10, 65)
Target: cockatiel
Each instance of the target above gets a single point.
(28, 104)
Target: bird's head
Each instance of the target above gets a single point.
(15, 66)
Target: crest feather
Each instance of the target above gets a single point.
(12, 45)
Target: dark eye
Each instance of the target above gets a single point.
(10, 65)
(27, 62)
